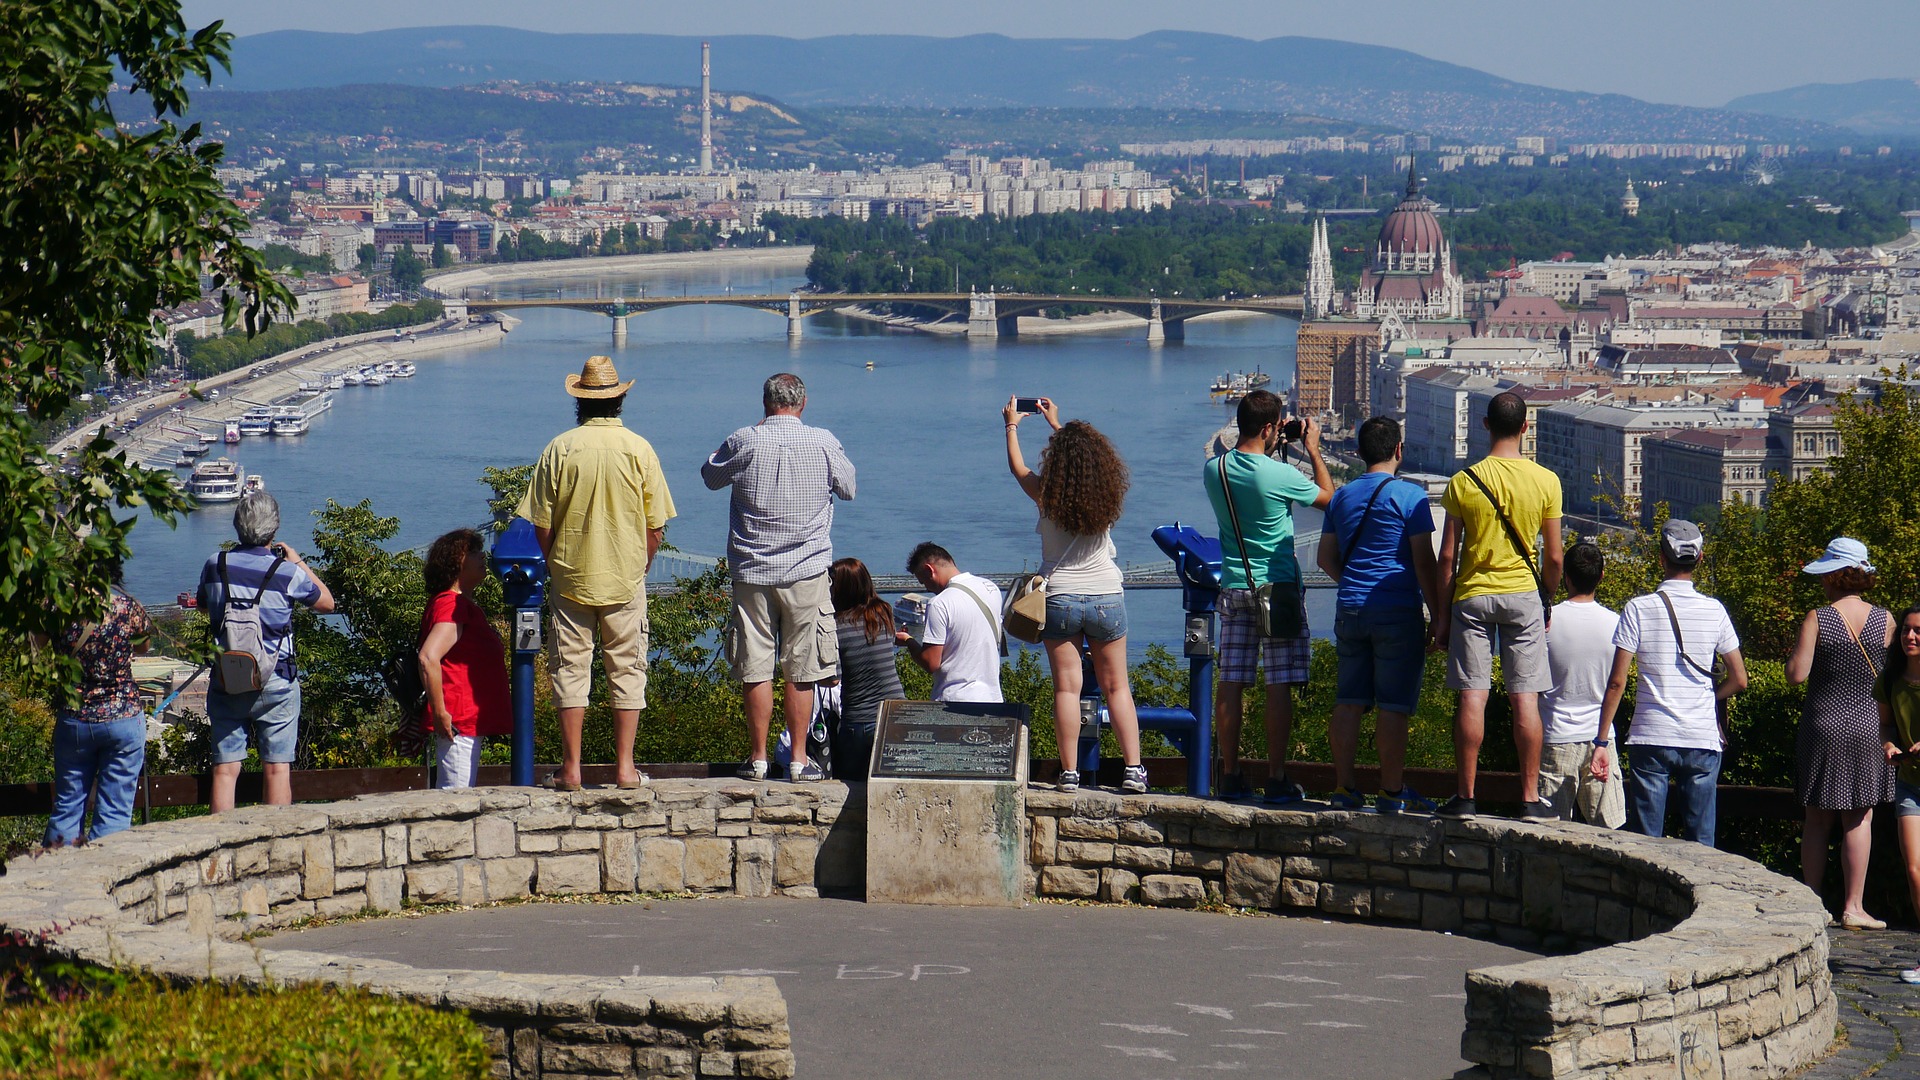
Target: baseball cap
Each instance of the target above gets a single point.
(1842, 552)
(1680, 540)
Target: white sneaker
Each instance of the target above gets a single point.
(752, 769)
(1911, 976)
(1134, 780)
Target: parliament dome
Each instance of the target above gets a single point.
(1411, 227)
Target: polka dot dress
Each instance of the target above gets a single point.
(1841, 764)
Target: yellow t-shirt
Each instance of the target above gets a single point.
(599, 488)
(1489, 563)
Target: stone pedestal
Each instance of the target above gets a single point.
(954, 842)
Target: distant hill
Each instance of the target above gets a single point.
(1884, 107)
(1386, 88)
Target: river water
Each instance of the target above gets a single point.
(923, 427)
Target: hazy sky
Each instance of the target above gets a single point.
(1693, 52)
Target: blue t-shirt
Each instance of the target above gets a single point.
(246, 572)
(1379, 574)
(1264, 494)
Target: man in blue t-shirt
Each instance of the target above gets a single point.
(275, 577)
(1257, 551)
(1377, 543)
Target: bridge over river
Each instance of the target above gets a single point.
(988, 314)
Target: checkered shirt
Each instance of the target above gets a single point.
(784, 476)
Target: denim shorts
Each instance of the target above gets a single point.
(1101, 617)
(275, 709)
(1382, 657)
(1906, 799)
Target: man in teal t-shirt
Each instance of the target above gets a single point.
(1259, 552)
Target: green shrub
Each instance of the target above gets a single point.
(145, 1031)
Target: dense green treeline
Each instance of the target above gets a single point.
(205, 357)
(524, 245)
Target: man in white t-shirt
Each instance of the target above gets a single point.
(961, 643)
(1579, 658)
(1676, 737)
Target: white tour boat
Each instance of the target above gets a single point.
(215, 481)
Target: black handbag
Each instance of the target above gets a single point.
(1520, 545)
(1279, 608)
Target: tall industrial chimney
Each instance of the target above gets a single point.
(706, 108)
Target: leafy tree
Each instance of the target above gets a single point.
(442, 258)
(99, 228)
(282, 257)
(369, 255)
(408, 271)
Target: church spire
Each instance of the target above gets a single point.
(1413, 179)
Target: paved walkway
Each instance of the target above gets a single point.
(1061, 991)
(1881, 1013)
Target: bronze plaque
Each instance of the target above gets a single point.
(948, 740)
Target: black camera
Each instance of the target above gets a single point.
(1293, 431)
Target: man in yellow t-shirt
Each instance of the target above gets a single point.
(1498, 587)
(599, 506)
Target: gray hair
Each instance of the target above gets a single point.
(784, 391)
(256, 519)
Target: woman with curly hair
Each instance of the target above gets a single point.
(1842, 772)
(868, 674)
(1080, 488)
(463, 662)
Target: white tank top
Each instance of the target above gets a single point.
(1077, 564)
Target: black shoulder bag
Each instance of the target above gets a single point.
(1346, 556)
(1715, 674)
(1525, 549)
(1277, 606)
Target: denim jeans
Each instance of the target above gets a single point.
(104, 758)
(1690, 774)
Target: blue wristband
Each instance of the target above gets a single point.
(1603, 742)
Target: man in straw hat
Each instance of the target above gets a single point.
(599, 505)
(784, 476)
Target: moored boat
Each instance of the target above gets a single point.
(257, 421)
(215, 481)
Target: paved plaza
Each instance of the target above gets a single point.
(1055, 990)
(1881, 1013)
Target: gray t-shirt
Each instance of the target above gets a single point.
(867, 674)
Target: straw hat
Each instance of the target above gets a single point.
(597, 380)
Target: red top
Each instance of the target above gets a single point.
(473, 674)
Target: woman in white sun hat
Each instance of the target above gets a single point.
(1841, 767)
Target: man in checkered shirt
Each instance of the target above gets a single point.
(785, 476)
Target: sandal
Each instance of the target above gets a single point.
(554, 783)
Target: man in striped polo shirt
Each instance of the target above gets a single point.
(1676, 736)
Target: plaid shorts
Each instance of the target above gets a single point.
(1284, 659)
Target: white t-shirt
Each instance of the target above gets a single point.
(970, 657)
(1673, 704)
(1580, 657)
(1076, 564)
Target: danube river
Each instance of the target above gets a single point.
(922, 427)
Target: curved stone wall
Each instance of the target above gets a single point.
(1696, 962)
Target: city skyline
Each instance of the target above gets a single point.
(1704, 53)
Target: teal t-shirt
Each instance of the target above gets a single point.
(1265, 492)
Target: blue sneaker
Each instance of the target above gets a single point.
(1231, 785)
(1283, 792)
(1345, 798)
(1406, 799)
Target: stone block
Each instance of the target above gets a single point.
(691, 822)
(1467, 856)
(1203, 862)
(596, 822)
(559, 875)
(709, 863)
(394, 839)
(360, 847)
(508, 879)
(1140, 832)
(779, 815)
(433, 884)
(954, 842)
(1392, 903)
(661, 863)
(1230, 839)
(1150, 860)
(753, 867)
(1299, 892)
(436, 841)
(250, 859)
(1613, 1047)
(580, 840)
(766, 1064)
(1043, 831)
(558, 1057)
(317, 877)
(1654, 1041)
(540, 843)
(385, 888)
(1070, 882)
(1440, 913)
(1082, 829)
(494, 838)
(619, 864)
(1355, 900)
(1252, 881)
(1084, 853)
(1433, 881)
(1118, 886)
(1172, 890)
(793, 860)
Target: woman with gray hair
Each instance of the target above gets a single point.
(257, 581)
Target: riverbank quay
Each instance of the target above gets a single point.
(451, 282)
(267, 380)
(1027, 326)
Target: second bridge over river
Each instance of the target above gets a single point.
(988, 314)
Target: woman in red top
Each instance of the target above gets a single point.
(462, 660)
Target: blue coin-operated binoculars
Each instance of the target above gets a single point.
(1196, 559)
(522, 568)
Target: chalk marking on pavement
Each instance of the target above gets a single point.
(1360, 999)
(1146, 1029)
(1333, 1024)
(1318, 963)
(1449, 997)
(1295, 979)
(738, 971)
(1254, 1031)
(1235, 1046)
(1283, 1005)
(1400, 978)
(854, 974)
(1206, 1010)
(1223, 1066)
(1143, 1052)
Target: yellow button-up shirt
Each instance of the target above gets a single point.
(598, 488)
